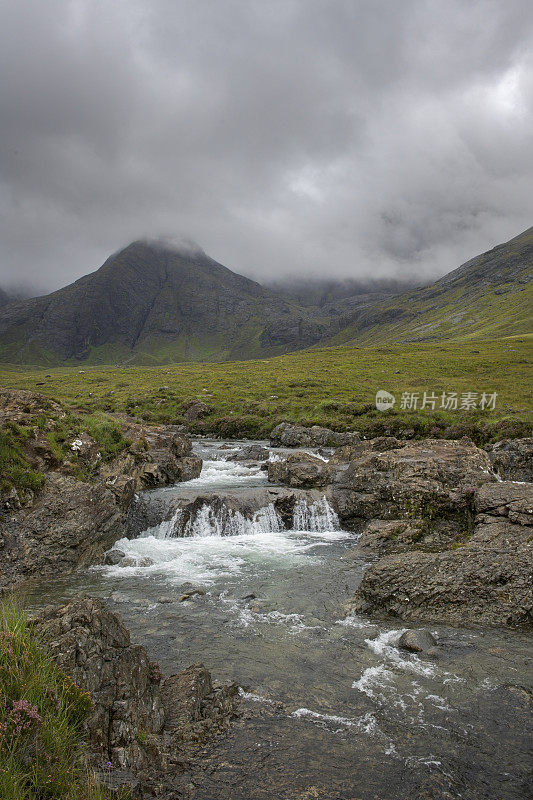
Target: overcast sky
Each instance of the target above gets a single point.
(347, 138)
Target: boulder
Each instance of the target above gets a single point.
(300, 470)
(485, 578)
(252, 452)
(417, 641)
(196, 410)
(288, 435)
(158, 456)
(459, 587)
(428, 480)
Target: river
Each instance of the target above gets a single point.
(333, 709)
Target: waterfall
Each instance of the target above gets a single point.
(167, 529)
(316, 516)
(227, 522)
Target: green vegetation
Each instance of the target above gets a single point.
(58, 431)
(15, 471)
(41, 716)
(334, 387)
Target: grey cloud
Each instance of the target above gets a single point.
(289, 138)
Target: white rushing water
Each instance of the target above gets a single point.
(217, 540)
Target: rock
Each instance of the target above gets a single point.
(196, 410)
(193, 706)
(300, 470)
(113, 557)
(252, 452)
(119, 783)
(141, 720)
(159, 456)
(288, 435)
(70, 524)
(512, 459)
(479, 586)
(427, 480)
(417, 641)
(189, 594)
(93, 647)
(86, 448)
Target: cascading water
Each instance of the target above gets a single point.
(317, 516)
(226, 522)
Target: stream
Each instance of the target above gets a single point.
(333, 709)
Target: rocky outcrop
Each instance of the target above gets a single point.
(141, 720)
(428, 481)
(251, 452)
(300, 470)
(70, 524)
(512, 459)
(78, 507)
(486, 579)
(288, 435)
(157, 456)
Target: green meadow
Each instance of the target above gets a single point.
(333, 386)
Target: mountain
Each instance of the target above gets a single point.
(150, 303)
(487, 297)
(4, 298)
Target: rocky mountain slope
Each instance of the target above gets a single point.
(488, 296)
(4, 298)
(151, 304)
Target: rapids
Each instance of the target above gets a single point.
(333, 709)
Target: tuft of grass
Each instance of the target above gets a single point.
(41, 716)
(15, 471)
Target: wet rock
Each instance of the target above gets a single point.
(194, 707)
(141, 720)
(189, 594)
(252, 452)
(488, 584)
(113, 557)
(288, 435)
(417, 641)
(512, 459)
(301, 470)
(133, 561)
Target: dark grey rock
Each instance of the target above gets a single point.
(417, 641)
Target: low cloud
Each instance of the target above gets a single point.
(297, 138)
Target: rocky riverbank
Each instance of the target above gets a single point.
(449, 523)
(144, 728)
(80, 498)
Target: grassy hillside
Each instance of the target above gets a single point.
(334, 386)
(488, 297)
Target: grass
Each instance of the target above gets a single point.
(16, 471)
(42, 711)
(334, 387)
